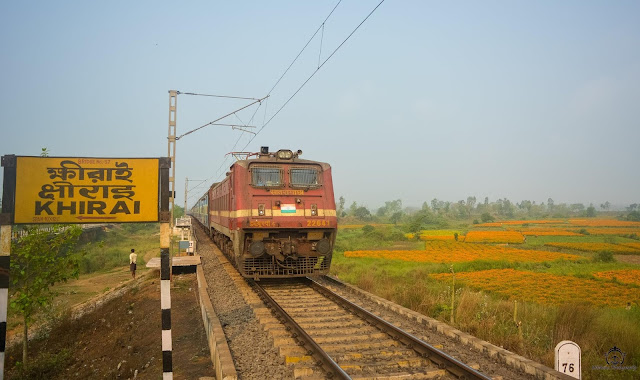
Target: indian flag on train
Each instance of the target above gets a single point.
(288, 209)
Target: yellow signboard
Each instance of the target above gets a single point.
(86, 190)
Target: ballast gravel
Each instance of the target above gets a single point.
(254, 354)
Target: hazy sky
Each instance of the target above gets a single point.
(516, 99)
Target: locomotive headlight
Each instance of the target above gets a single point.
(323, 246)
(284, 154)
(256, 248)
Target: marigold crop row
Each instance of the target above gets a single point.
(447, 252)
(595, 247)
(603, 223)
(632, 245)
(441, 237)
(546, 232)
(546, 288)
(521, 222)
(494, 237)
(613, 231)
(627, 276)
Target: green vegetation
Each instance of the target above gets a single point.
(484, 314)
(40, 259)
(111, 249)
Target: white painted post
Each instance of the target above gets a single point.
(568, 359)
(5, 252)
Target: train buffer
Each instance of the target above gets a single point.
(179, 264)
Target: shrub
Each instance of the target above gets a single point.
(367, 229)
(604, 257)
(486, 217)
(584, 231)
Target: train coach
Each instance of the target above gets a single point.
(273, 216)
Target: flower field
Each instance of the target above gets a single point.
(613, 231)
(437, 235)
(514, 237)
(451, 252)
(546, 232)
(546, 288)
(603, 223)
(627, 276)
(597, 247)
(521, 222)
(632, 245)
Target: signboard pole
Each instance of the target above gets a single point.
(6, 221)
(165, 270)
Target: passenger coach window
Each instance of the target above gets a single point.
(266, 177)
(307, 177)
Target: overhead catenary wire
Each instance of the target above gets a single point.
(320, 65)
(220, 118)
(305, 46)
(215, 96)
(314, 73)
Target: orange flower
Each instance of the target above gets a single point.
(596, 247)
(452, 252)
(494, 237)
(547, 288)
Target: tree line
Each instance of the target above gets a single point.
(438, 212)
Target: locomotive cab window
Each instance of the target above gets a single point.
(305, 177)
(266, 176)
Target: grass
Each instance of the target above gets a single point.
(104, 266)
(539, 241)
(490, 317)
(112, 249)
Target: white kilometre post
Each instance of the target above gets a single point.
(568, 359)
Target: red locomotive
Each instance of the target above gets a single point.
(274, 215)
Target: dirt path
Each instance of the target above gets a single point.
(123, 337)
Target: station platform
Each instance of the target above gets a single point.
(179, 264)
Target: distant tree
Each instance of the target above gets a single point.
(633, 207)
(353, 208)
(505, 208)
(471, 203)
(591, 211)
(396, 217)
(577, 207)
(362, 213)
(435, 204)
(178, 212)
(40, 259)
(341, 202)
(634, 216)
(605, 206)
(486, 217)
(550, 204)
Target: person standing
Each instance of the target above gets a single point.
(133, 258)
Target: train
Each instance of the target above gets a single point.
(273, 216)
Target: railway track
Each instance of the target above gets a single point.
(348, 342)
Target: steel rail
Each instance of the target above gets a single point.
(332, 368)
(444, 361)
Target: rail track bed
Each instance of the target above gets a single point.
(348, 341)
(263, 346)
